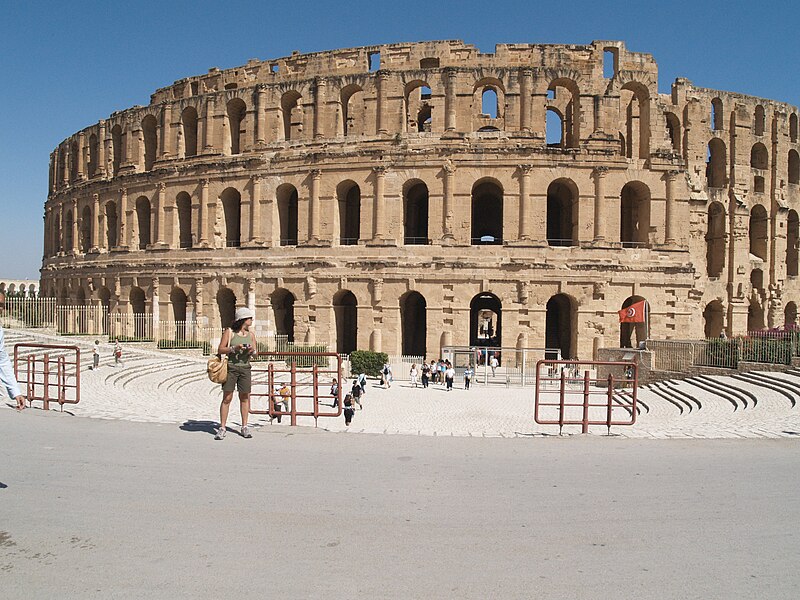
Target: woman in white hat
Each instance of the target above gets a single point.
(239, 344)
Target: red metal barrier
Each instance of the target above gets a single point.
(304, 383)
(566, 388)
(49, 373)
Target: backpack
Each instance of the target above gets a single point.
(385, 370)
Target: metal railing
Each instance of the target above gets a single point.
(49, 373)
(416, 241)
(768, 347)
(561, 243)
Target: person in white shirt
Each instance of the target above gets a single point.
(493, 363)
(413, 374)
(96, 355)
(7, 377)
(449, 375)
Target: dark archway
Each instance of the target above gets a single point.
(283, 310)
(755, 316)
(86, 229)
(635, 215)
(287, 214)
(486, 321)
(112, 226)
(713, 319)
(792, 241)
(790, 316)
(349, 196)
(150, 134)
(562, 209)
(177, 298)
(715, 240)
(413, 324)
(415, 222)
(560, 325)
(627, 330)
(759, 227)
(226, 304)
(232, 209)
(183, 204)
(143, 220)
(487, 213)
(345, 308)
(140, 318)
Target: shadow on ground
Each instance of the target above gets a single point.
(209, 427)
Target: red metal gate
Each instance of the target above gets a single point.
(303, 377)
(584, 393)
(49, 373)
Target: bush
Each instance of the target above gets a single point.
(364, 361)
(180, 344)
(300, 361)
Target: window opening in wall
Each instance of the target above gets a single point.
(674, 132)
(758, 232)
(554, 128)
(111, 225)
(792, 243)
(551, 94)
(561, 224)
(416, 215)
(374, 61)
(413, 324)
(794, 167)
(425, 93)
(287, 215)
(758, 184)
(489, 102)
(757, 279)
(195, 88)
(349, 214)
(717, 114)
(231, 86)
(793, 127)
(759, 157)
(635, 215)
(429, 63)
(283, 313)
(610, 62)
(713, 317)
(486, 320)
(790, 316)
(345, 309)
(150, 133)
(560, 325)
(715, 240)
(274, 68)
(487, 214)
(760, 118)
(184, 205)
(716, 163)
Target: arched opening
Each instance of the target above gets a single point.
(232, 209)
(794, 167)
(92, 165)
(112, 225)
(715, 240)
(189, 127)
(790, 316)
(150, 133)
(143, 220)
(716, 163)
(759, 121)
(759, 157)
(413, 324)
(636, 98)
(674, 131)
(755, 316)
(226, 305)
(792, 243)
(415, 213)
(713, 319)
(105, 303)
(565, 98)
(349, 200)
(489, 102)
(757, 279)
(419, 106)
(283, 310)
(554, 129)
(561, 325)
(793, 127)
(183, 203)
(292, 115)
(487, 213)
(236, 111)
(353, 111)
(138, 307)
(287, 214)
(116, 147)
(635, 215)
(86, 229)
(178, 300)
(758, 232)
(717, 114)
(486, 321)
(345, 308)
(69, 226)
(640, 329)
(562, 212)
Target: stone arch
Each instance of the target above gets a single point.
(413, 324)
(488, 98)
(143, 221)
(189, 131)
(636, 98)
(555, 128)
(570, 108)
(717, 114)
(794, 166)
(292, 114)
(232, 209)
(419, 106)
(69, 227)
(282, 301)
(73, 161)
(716, 163)
(348, 195)
(486, 320)
(759, 156)
(86, 229)
(487, 212)
(112, 224)
(287, 204)
(755, 316)
(236, 112)
(790, 315)
(415, 212)
(673, 125)
(562, 213)
(354, 113)
(183, 207)
(139, 309)
(635, 215)
(150, 134)
(713, 319)
(345, 309)
(759, 236)
(226, 305)
(759, 121)
(716, 240)
(641, 330)
(792, 243)
(179, 301)
(561, 320)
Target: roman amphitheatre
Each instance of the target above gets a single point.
(407, 197)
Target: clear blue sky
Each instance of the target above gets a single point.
(68, 64)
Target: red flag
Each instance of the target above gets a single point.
(633, 313)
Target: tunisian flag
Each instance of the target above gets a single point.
(633, 313)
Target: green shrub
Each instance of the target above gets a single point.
(364, 361)
(180, 344)
(300, 361)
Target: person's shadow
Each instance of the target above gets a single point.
(209, 427)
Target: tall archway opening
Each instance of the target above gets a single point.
(415, 213)
(715, 240)
(287, 214)
(345, 309)
(283, 311)
(487, 213)
(486, 321)
(713, 319)
(634, 332)
(562, 210)
(349, 196)
(635, 215)
(413, 324)
(226, 305)
(560, 325)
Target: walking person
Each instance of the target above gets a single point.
(362, 383)
(467, 376)
(349, 411)
(426, 373)
(386, 376)
(335, 392)
(356, 393)
(434, 371)
(117, 353)
(282, 405)
(239, 344)
(96, 355)
(413, 374)
(493, 363)
(442, 369)
(7, 377)
(449, 376)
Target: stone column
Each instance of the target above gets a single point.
(125, 227)
(450, 99)
(319, 107)
(261, 115)
(209, 126)
(599, 175)
(65, 168)
(447, 204)
(101, 149)
(166, 131)
(525, 90)
(524, 202)
(313, 208)
(98, 223)
(155, 309)
(669, 209)
(381, 124)
(75, 230)
(251, 294)
(379, 231)
(81, 157)
(198, 299)
(158, 217)
(255, 210)
(203, 216)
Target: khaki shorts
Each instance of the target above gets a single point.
(239, 377)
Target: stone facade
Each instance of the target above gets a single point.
(390, 197)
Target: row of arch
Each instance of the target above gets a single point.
(717, 116)
(714, 317)
(717, 165)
